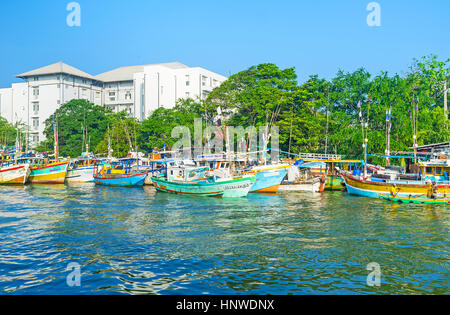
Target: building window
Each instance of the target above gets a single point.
(429, 170)
(188, 95)
(439, 171)
(35, 78)
(188, 80)
(36, 107)
(36, 139)
(36, 92)
(36, 123)
(128, 95)
(162, 90)
(112, 96)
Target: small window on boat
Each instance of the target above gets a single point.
(429, 170)
(438, 170)
(171, 173)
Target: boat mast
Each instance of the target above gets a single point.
(388, 131)
(109, 146)
(326, 137)
(55, 134)
(415, 111)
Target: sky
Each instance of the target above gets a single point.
(314, 36)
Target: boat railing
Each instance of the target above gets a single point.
(318, 156)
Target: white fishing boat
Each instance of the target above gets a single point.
(82, 169)
(302, 180)
(14, 174)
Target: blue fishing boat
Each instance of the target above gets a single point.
(119, 174)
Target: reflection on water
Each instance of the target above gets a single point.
(140, 241)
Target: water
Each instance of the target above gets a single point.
(137, 241)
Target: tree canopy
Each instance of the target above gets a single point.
(318, 115)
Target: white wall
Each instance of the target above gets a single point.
(164, 86)
(6, 105)
(157, 86)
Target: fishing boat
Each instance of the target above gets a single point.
(14, 174)
(196, 181)
(44, 171)
(119, 174)
(301, 179)
(269, 178)
(48, 173)
(416, 200)
(82, 169)
(13, 171)
(372, 188)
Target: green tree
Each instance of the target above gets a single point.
(75, 118)
(156, 130)
(8, 133)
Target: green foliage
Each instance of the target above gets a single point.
(8, 133)
(73, 118)
(155, 131)
(123, 133)
(316, 116)
(266, 94)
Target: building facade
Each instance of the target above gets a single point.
(138, 90)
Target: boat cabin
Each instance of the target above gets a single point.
(436, 169)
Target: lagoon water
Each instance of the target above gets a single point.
(137, 241)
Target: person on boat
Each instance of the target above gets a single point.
(434, 190)
(394, 190)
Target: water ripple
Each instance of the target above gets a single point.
(131, 241)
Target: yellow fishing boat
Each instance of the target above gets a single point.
(357, 185)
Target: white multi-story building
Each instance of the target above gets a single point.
(139, 90)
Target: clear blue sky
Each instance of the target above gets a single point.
(315, 37)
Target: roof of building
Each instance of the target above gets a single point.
(56, 68)
(126, 73)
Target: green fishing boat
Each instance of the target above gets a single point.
(195, 182)
(417, 200)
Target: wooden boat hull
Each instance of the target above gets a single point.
(371, 189)
(81, 175)
(310, 187)
(268, 179)
(132, 180)
(201, 189)
(415, 200)
(14, 175)
(237, 188)
(228, 189)
(54, 173)
(334, 183)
